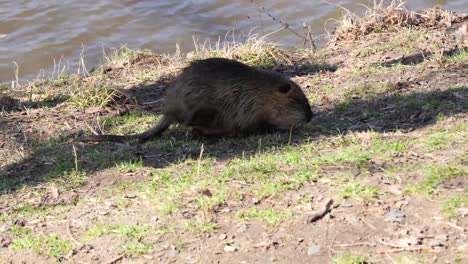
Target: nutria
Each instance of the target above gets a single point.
(221, 96)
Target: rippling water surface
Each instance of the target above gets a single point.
(33, 33)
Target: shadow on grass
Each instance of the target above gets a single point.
(10, 104)
(303, 68)
(55, 160)
(420, 57)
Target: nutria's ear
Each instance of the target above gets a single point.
(284, 88)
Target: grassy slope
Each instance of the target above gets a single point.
(390, 134)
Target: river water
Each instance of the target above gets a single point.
(35, 32)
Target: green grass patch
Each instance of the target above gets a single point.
(367, 91)
(134, 122)
(200, 227)
(133, 237)
(452, 204)
(129, 166)
(357, 191)
(48, 245)
(88, 96)
(341, 107)
(436, 176)
(124, 54)
(356, 157)
(129, 231)
(459, 57)
(210, 203)
(271, 215)
(446, 137)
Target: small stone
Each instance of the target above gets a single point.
(255, 201)
(230, 249)
(35, 221)
(273, 259)
(190, 260)
(222, 236)
(313, 250)
(394, 216)
(463, 211)
(300, 239)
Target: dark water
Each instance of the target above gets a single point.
(34, 33)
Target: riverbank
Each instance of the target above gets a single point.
(388, 145)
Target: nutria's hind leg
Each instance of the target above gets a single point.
(156, 130)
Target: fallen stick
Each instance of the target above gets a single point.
(317, 216)
(114, 260)
(408, 249)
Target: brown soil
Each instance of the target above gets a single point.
(397, 226)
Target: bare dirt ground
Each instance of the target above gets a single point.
(378, 176)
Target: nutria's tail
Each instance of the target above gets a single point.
(156, 130)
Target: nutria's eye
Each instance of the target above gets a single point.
(285, 88)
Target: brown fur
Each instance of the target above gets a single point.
(220, 97)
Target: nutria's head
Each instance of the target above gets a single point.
(288, 106)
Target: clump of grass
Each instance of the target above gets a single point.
(363, 52)
(443, 139)
(378, 18)
(271, 216)
(211, 203)
(92, 94)
(52, 88)
(134, 122)
(452, 204)
(458, 57)
(199, 227)
(50, 245)
(132, 235)
(124, 55)
(255, 50)
(436, 176)
(129, 166)
(357, 191)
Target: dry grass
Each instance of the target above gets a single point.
(255, 50)
(385, 16)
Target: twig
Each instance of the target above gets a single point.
(408, 249)
(91, 129)
(398, 248)
(76, 159)
(321, 213)
(15, 83)
(454, 226)
(369, 225)
(70, 233)
(114, 260)
(199, 160)
(354, 245)
(287, 26)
